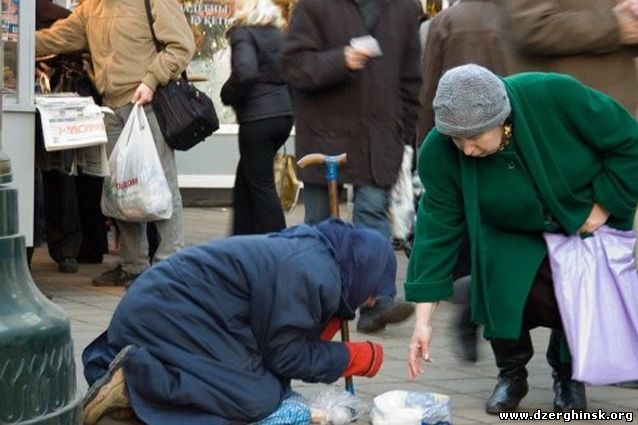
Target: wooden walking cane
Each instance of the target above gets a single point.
(332, 164)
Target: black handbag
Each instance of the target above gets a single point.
(185, 115)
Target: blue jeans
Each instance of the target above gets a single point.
(370, 206)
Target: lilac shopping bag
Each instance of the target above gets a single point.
(596, 287)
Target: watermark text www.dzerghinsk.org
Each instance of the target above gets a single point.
(574, 415)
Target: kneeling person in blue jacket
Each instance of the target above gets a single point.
(215, 333)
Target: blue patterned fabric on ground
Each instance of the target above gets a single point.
(293, 410)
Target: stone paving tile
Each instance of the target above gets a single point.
(477, 416)
(627, 404)
(468, 385)
(610, 393)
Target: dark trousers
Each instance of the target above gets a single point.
(62, 219)
(541, 309)
(75, 226)
(256, 206)
(92, 221)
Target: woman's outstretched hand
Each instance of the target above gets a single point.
(597, 217)
(421, 339)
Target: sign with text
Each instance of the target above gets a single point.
(209, 20)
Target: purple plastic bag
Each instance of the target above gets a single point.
(596, 287)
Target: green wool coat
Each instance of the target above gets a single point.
(571, 146)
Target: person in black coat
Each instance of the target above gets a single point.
(68, 205)
(261, 101)
(352, 99)
(215, 333)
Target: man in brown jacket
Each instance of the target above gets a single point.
(468, 32)
(595, 41)
(128, 69)
(346, 100)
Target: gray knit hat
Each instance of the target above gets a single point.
(470, 100)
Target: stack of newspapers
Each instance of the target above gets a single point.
(73, 122)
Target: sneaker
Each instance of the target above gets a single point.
(68, 265)
(107, 395)
(116, 277)
(385, 311)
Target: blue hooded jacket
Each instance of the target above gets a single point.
(221, 328)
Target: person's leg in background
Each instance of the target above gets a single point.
(63, 232)
(39, 226)
(170, 232)
(243, 209)
(371, 211)
(153, 239)
(258, 142)
(371, 208)
(316, 203)
(92, 221)
(466, 329)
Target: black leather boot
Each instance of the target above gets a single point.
(569, 394)
(511, 358)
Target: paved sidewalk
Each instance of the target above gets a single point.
(90, 309)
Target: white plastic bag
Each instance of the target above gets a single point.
(402, 199)
(136, 190)
(410, 408)
(337, 407)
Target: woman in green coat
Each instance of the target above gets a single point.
(510, 159)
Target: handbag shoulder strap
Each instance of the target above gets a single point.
(158, 46)
(149, 16)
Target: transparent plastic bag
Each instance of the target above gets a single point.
(401, 208)
(337, 407)
(411, 408)
(137, 189)
(293, 410)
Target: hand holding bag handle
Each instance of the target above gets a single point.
(185, 115)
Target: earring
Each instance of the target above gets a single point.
(507, 135)
(507, 131)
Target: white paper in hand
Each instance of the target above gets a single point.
(367, 43)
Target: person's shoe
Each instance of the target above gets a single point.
(107, 395)
(569, 395)
(507, 395)
(68, 265)
(385, 311)
(121, 414)
(116, 277)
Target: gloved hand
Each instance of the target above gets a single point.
(330, 329)
(365, 359)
